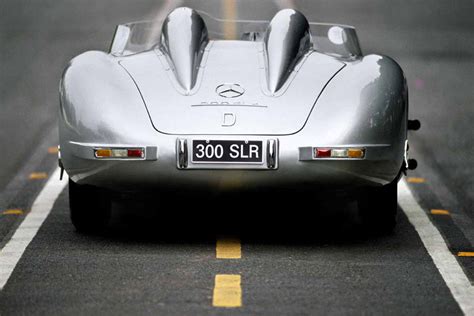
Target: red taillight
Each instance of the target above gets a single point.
(135, 153)
(322, 152)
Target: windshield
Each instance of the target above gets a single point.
(333, 39)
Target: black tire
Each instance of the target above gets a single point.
(89, 208)
(378, 209)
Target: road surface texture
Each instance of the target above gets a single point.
(290, 258)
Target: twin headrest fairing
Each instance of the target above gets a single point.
(184, 37)
(286, 40)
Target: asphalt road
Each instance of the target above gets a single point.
(292, 262)
(319, 265)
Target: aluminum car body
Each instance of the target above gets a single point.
(296, 96)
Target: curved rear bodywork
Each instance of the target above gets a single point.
(292, 85)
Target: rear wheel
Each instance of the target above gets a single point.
(89, 207)
(378, 208)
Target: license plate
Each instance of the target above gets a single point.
(227, 151)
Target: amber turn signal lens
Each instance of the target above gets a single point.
(355, 153)
(103, 153)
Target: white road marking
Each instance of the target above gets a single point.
(449, 268)
(16, 246)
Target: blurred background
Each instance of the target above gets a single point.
(432, 40)
(291, 264)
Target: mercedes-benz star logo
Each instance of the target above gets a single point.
(230, 90)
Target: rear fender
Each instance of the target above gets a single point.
(99, 103)
(365, 103)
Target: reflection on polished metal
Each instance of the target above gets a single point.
(230, 90)
(271, 153)
(183, 40)
(336, 35)
(287, 39)
(182, 150)
(336, 101)
(332, 39)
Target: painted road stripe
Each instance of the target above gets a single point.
(38, 175)
(228, 248)
(285, 4)
(53, 150)
(466, 254)
(159, 17)
(227, 291)
(449, 268)
(14, 249)
(415, 180)
(12, 212)
(230, 12)
(439, 212)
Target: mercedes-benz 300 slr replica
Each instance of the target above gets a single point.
(195, 103)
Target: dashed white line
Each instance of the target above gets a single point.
(446, 263)
(16, 246)
(449, 268)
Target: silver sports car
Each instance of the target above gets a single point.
(199, 103)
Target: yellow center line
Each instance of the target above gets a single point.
(415, 180)
(228, 248)
(12, 212)
(466, 254)
(38, 175)
(53, 150)
(230, 10)
(227, 291)
(440, 212)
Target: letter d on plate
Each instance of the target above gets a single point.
(229, 119)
